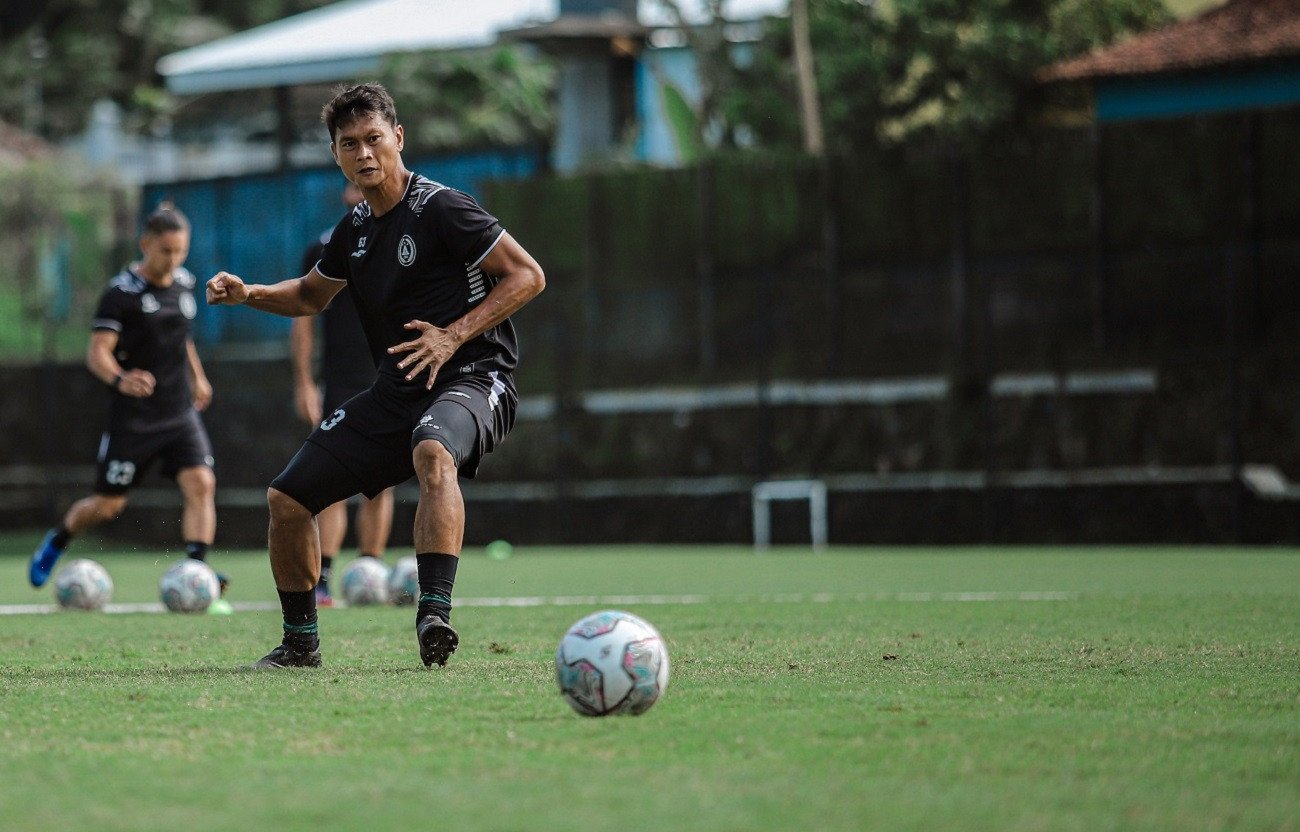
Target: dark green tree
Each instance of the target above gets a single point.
(949, 67)
(463, 99)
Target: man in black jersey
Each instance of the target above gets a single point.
(346, 369)
(435, 279)
(140, 346)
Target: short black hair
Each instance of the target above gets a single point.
(358, 101)
(166, 217)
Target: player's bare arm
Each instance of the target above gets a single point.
(306, 392)
(520, 279)
(100, 360)
(291, 298)
(198, 379)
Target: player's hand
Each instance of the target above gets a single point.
(202, 394)
(429, 351)
(138, 384)
(226, 288)
(307, 403)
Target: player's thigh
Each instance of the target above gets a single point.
(360, 451)
(186, 448)
(469, 418)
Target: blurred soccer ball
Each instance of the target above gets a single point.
(404, 581)
(189, 586)
(365, 582)
(83, 585)
(611, 662)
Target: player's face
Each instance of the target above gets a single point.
(368, 150)
(164, 253)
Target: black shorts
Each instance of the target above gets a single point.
(365, 446)
(125, 456)
(335, 394)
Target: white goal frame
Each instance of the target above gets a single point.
(814, 491)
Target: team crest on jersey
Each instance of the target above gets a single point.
(188, 308)
(406, 250)
(149, 304)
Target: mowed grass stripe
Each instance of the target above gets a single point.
(614, 600)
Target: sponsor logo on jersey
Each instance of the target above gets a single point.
(406, 250)
(149, 304)
(427, 422)
(334, 419)
(361, 248)
(188, 308)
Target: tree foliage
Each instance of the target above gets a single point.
(78, 51)
(954, 67)
(461, 99)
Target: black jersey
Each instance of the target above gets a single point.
(153, 327)
(346, 362)
(420, 261)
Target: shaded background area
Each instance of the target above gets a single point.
(1067, 335)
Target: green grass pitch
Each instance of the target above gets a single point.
(1024, 689)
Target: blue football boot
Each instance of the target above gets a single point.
(43, 560)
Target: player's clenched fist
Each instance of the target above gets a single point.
(228, 288)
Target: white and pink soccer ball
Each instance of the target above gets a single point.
(189, 586)
(83, 584)
(611, 662)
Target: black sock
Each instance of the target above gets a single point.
(437, 575)
(300, 630)
(62, 537)
(196, 549)
(326, 565)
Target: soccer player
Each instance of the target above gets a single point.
(140, 346)
(435, 279)
(346, 369)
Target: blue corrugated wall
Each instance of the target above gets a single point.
(258, 226)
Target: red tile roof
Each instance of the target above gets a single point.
(1240, 31)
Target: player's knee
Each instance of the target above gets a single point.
(109, 508)
(285, 509)
(434, 465)
(199, 483)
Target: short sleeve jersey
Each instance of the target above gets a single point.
(346, 362)
(153, 326)
(420, 261)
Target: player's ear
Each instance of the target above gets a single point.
(401, 134)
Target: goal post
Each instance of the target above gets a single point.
(765, 493)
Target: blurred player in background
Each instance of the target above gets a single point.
(346, 369)
(140, 346)
(435, 279)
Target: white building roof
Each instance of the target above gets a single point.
(348, 39)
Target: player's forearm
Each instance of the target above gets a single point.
(288, 298)
(506, 298)
(192, 359)
(103, 365)
(300, 350)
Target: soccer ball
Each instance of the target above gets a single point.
(404, 581)
(189, 586)
(83, 585)
(365, 582)
(611, 662)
